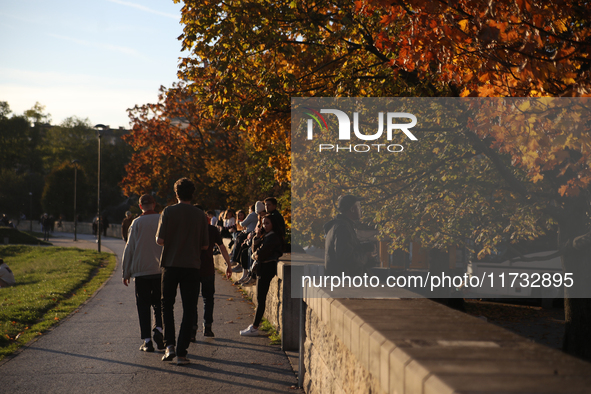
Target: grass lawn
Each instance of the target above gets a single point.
(51, 282)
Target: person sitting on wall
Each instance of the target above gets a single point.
(344, 253)
(267, 249)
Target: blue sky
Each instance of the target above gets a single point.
(92, 59)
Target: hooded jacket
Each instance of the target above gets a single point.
(343, 252)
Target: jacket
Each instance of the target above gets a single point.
(343, 253)
(270, 249)
(141, 255)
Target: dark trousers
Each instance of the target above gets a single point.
(207, 292)
(267, 272)
(188, 281)
(147, 295)
(238, 247)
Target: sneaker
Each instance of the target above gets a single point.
(147, 347)
(250, 282)
(245, 277)
(237, 268)
(169, 354)
(207, 332)
(250, 332)
(159, 339)
(182, 361)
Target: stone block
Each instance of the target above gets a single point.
(325, 309)
(337, 312)
(365, 332)
(376, 340)
(289, 311)
(385, 350)
(356, 324)
(347, 321)
(398, 361)
(414, 375)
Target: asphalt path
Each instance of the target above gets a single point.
(96, 349)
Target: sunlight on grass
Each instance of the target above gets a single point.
(51, 282)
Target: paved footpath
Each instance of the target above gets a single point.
(96, 350)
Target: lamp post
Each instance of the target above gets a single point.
(75, 162)
(31, 211)
(99, 127)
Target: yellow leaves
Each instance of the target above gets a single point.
(464, 25)
(568, 80)
(560, 25)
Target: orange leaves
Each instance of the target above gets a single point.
(527, 46)
(569, 190)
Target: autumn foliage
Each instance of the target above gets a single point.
(490, 48)
(179, 137)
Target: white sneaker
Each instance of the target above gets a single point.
(250, 332)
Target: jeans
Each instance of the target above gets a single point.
(267, 272)
(188, 281)
(147, 295)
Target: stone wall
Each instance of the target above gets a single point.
(330, 365)
(411, 345)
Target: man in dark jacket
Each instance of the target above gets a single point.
(183, 233)
(344, 253)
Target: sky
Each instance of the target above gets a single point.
(91, 59)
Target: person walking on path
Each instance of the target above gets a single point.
(125, 224)
(141, 261)
(207, 278)
(46, 223)
(104, 225)
(183, 233)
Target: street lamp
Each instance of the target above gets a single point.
(31, 211)
(75, 162)
(99, 127)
